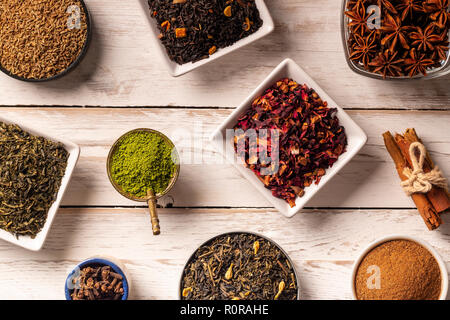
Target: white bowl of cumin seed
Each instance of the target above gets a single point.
(407, 272)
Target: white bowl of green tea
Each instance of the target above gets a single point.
(399, 267)
(30, 208)
(239, 266)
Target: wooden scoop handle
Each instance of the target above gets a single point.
(153, 214)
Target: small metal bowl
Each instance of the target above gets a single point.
(74, 64)
(151, 200)
(180, 287)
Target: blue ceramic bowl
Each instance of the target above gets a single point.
(93, 263)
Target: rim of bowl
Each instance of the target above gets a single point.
(171, 183)
(180, 286)
(103, 261)
(74, 64)
(431, 74)
(426, 245)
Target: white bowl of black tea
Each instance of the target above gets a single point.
(190, 34)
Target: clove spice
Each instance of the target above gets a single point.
(98, 283)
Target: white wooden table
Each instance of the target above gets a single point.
(122, 85)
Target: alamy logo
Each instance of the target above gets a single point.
(262, 149)
(74, 20)
(71, 284)
(374, 281)
(374, 19)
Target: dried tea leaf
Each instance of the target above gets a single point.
(226, 268)
(199, 28)
(30, 176)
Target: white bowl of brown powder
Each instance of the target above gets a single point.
(399, 267)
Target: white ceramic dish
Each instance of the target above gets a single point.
(178, 70)
(355, 135)
(74, 152)
(426, 245)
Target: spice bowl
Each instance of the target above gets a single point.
(358, 68)
(99, 261)
(35, 244)
(424, 244)
(246, 233)
(150, 199)
(356, 137)
(178, 70)
(75, 62)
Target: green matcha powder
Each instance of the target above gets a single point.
(142, 161)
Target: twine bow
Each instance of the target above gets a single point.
(418, 181)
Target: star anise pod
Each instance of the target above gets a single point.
(413, 37)
(440, 49)
(364, 48)
(438, 10)
(417, 64)
(424, 40)
(387, 64)
(388, 5)
(395, 33)
(358, 19)
(408, 7)
(352, 3)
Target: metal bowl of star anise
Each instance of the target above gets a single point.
(397, 39)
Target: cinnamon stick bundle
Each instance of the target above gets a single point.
(438, 197)
(423, 204)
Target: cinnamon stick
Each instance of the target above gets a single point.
(439, 198)
(424, 206)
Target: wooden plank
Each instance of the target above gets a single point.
(367, 181)
(123, 69)
(323, 245)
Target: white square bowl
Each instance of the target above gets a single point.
(74, 152)
(178, 70)
(355, 136)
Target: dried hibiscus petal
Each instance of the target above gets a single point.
(298, 137)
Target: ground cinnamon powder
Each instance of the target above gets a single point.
(398, 270)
